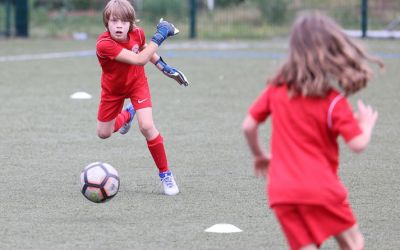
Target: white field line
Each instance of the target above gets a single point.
(385, 34)
(197, 45)
(228, 48)
(45, 56)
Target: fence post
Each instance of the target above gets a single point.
(364, 18)
(192, 14)
(8, 18)
(21, 17)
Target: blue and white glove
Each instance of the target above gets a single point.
(164, 30)
(172, 72)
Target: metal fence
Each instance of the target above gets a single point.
(14, 17)
(270, 18)
(203, 19)
(6, 13)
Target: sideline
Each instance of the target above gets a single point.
(213, 50)
(43, 56)
(197, 49)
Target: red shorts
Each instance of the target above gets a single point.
(312, 224)
(111, 105)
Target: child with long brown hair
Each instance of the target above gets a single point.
(308, 115)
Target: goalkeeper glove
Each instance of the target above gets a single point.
(164, 30)
(171, 72)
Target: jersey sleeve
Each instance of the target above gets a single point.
(260, 109)
(107, 48)
(343, 120)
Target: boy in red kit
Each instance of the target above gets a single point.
(308, 115)
(122, 53)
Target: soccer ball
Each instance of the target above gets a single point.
(99, 182)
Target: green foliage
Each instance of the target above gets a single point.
(49, 5)
(68, 4)
(152, 10)
(79, 4)
(225, 3)
(274, 11)
(348, 17)
(230, 19)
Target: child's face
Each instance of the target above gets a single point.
(118, 29)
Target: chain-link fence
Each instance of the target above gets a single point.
(206, 19)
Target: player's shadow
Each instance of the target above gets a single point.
(153, 187)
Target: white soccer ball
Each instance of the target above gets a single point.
(99, 182)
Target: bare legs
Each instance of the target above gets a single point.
(146, 125)
(351, 239)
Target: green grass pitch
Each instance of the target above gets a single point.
(46, 139)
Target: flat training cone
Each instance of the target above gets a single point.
(223, 228)
(80, 95)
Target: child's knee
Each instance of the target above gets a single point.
(103, 134)
(351, 240)
(146, 128)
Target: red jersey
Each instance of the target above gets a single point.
(304, 147)
(117, 78)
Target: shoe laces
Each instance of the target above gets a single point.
(168, 180)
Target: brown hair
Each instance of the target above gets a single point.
(121, 9)
(321, 52)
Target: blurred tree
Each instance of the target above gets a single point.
(156, 9)
(50, 5)
(80, 4)
(274, 11)
(69, 4)
(225, 3)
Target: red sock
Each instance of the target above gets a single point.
(121, 119)
(156, 148)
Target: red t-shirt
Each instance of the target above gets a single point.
(117, 78)
(304, 146)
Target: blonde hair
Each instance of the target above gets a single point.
(121, 9)
(319, 53)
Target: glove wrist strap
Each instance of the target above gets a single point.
(158, 38)
(160, 64)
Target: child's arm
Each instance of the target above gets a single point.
(260, 158)
(366, 117)
(130, 57)
(164, 30)
(169, 71)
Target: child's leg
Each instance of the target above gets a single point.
(154, 140)
(105, 129)
(124, 119)
(155, 144)
(121, 119)
(146, 124)
(306, 225)
(309, 247)
(294, 227)
(141, 101)
(110, 117)
(351, 239)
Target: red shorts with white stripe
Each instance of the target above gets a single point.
(111, 105)
(312, 224)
